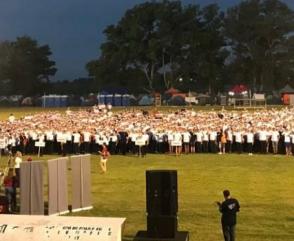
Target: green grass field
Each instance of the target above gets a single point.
(263, 185)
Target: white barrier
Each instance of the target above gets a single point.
(44, 228)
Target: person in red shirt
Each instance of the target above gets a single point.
(104, 154)
(9, 187)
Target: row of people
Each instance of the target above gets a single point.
(213, 141)
(204, 131)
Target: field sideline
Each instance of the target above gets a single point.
(263, 185)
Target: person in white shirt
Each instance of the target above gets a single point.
(205, 139)
(68, 145)
(250, 141)
(179, 140)
(212, 141)
(186, 140)
(238, 140)
(133, 137)
(275, 136)
(199, 136)
(292, 142)
(86, 142)
(17, 162)
(140, 144)
(60, 141)
(287, 142)
(76, 142)
(170, 138)
(263, 140)
(49, 142)
(229, 135)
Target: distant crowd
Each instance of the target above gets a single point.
(140, 132)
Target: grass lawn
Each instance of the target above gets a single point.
(262, 184)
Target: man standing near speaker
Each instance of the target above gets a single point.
(229, 209)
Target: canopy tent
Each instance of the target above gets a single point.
(287, 94)
(171, 91)
(239, 89)
(146, 100)
(27, 101)
(177, 100)
(287, 89)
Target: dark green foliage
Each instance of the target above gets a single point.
(25, 66)
(258, 33)
(157, 43)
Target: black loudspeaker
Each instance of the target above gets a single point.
(161, 193)
(162, 208)
(162, 226)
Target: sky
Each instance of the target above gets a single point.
(72, 28)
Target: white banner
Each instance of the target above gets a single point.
(191, 100)
(176, 143)
(39, 144)
(44, 228)
(61, 139)
(2, 144)
(140, 142)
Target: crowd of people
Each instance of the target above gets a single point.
(134, 131)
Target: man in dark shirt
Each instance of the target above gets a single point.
(229, 208)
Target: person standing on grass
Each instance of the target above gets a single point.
(229, 209)
(17, 162)
(250, 141)
(10, 191)
(104, 154)
(223, 142)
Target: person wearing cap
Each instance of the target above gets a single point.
(229, 208)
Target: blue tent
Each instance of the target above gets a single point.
(125, 100)
(109, 99)
(146, 100)
(54, 100)
(117, 99)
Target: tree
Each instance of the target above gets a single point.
(145, 43)
(5, 49)
(258, 32)
(206, 54)
(162, 42)
(27, 66)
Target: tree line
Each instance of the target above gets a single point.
(161, 44)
